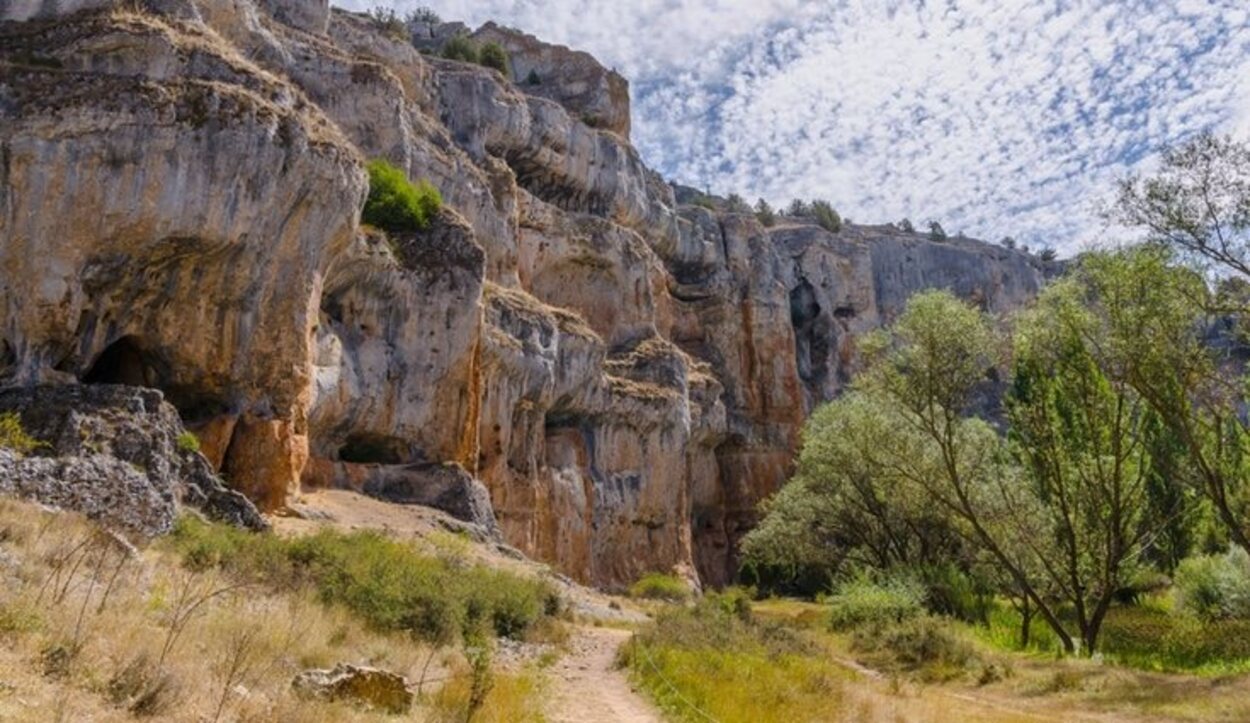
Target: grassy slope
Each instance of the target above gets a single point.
(83, 627)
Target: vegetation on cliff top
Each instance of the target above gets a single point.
(396, 204)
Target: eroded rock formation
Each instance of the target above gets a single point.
(626, 376)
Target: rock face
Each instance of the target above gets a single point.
(614, 379)
(114, 454)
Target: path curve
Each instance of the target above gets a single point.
(586, 687)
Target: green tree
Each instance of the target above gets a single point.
(798, 208)
(936, 232)
(765, 214)
(492, 55)
(394, 203)
(459, 47)
(736, 204)
(825, 216)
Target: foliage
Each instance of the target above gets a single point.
(936, 232)
(1008, 242)
(920, 643)
(825, 216)
(734, 203)
(659, 586)
(386, 582)
(765, 214)
(459, 47)
(799, 208)
(1048, 254)
(717, 661)
(424, 15)
(1215, 587)
(492, 55)
(863, 602)
(906, 226)
(13, 436)
(388, 22)
(188, 442)
(396, 204)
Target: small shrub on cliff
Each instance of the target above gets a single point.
(492, 55)
(14, 437)
(658, 586)
(397, 204)
(765, 214)
(825, 216)
(188, 442)
(458, 47)
(424, 15)
(388, 22)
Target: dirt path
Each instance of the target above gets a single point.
(587, 688)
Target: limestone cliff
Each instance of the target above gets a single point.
(621, 377)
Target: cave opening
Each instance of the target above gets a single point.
(123, 362)
(813, 336)
(375, 449)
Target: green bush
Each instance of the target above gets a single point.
(825, 216)
(395, 203)
(14, 437)
(188, 442)
(658, 586)
(863, 602)
(1152, 639)
(458, 47)
(492, 55)
(1215, 587)
(387, 583)
(921, 642)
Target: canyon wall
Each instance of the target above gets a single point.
(608, 378)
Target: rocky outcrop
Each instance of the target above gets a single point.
(364, 686)
(117, 454)
(613, 379)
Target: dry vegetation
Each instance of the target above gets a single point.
(93, 629)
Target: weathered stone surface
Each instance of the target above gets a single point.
(369, 687)
(597, 96)
(113, 453)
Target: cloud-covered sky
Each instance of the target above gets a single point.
(996, 117)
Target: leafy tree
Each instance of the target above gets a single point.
(765, 214)
(394, 203)
(825, 216)
(1198, 203)
(492, 55)
(798, 208)
(459, 47)
(424, 15)
(936, 232)
(906, 225)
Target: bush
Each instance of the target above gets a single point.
(765, 214)
(658, 586)
(936, 232)
(396, 204)
(13, 437)
(865, 603)
(825, 216)
(492, 55)
(918, 643)
(458, 47)
(389, 23)
(1215, 587)
(424, 15)
(188, 442)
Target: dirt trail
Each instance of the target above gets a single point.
(587, 688)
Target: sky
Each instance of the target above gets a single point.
(996, 118)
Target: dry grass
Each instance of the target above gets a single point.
(90, 630)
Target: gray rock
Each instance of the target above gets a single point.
(369, 687)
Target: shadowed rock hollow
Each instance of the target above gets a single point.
(625, 375)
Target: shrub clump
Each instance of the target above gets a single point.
(14, 437)
(1215, 587)
(658, 586)
(188, 442)
(388, 583)
(492, 55)
(395, 203)
(865, 602)
(459, 47)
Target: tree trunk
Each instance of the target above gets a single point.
(1026, 619)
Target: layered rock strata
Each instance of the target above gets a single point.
(621, 377)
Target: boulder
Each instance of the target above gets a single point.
(368, 687)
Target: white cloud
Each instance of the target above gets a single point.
(998, 118)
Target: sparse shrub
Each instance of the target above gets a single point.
(1008, 242)
(492, 55)
(188, 442)
(704, 201)
(798, 208)
(387, 21)
(736, 204)
(936, 232)
(424, 15)
(395, 203)
(1048, 254)
(14, 437)
(906, 225)
(864, 602)
(459, 47)
(658, 586)
(916, 643)
(1215, 587)
(143, 688)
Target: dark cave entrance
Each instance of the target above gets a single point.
(813, 337)
(123, 362)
